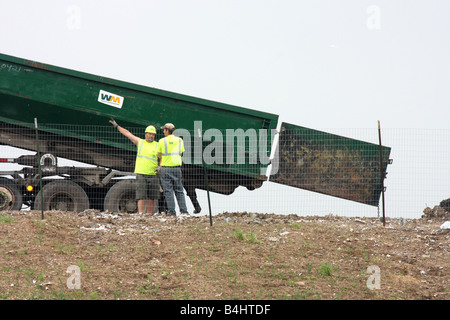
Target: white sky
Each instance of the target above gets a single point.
(319, 64)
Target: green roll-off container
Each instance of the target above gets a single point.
(72, 110)
(68, 104)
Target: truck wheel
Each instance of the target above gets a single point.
(10, 195)
(121, 197)
(63, 195)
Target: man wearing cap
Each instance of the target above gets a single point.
(147, 184)
(170, 150)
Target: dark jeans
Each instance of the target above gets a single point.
(171, 182)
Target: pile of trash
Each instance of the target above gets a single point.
(440, 212)
(445, 204)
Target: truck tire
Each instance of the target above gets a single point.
(63, 195)
(121, 197)
(10, 195)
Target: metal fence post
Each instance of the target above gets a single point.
(39, 166)
(382, 173)
(205, 175)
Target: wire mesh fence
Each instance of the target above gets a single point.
(293, 171)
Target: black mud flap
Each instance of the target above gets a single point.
(329, 164)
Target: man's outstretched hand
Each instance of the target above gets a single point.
(113, 122)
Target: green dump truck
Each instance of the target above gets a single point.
(63, 114)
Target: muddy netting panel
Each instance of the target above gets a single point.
(329, 164)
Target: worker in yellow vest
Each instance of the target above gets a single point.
(146, 166)
(170, 150)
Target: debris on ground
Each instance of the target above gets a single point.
(243, 255)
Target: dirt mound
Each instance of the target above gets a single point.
(245, 256)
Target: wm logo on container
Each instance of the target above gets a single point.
(110, 99)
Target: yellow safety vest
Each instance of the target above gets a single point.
(171, 149)
(146, 158)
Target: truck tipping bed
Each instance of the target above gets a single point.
(73, 109)
(66, 101)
